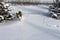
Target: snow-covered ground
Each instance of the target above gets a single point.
(36, 25)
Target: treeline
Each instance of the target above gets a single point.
(28, 3)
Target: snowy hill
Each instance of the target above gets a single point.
(36, 25)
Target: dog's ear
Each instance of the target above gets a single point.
(19, 11)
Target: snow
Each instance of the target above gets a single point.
(36, 25)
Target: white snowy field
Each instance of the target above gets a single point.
(36, 25)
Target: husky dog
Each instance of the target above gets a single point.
(19, 15)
